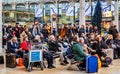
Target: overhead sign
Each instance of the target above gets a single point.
(38, 11)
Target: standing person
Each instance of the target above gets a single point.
(73, 29)
(68, 34)
(29, 34)
(48, 28)
(4, 35)
(95, 30)
(45, 33)
(81, 30)
(17, 30)
(36, 29)
(10, 32)
(4, 29)
(62, 32)
(113, 31)
(89, 30)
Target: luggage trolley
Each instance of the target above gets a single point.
(35, 56)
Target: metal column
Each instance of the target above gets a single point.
(74, 14)
(43, 14)
(58, 12)
(82, 13)
(116, 16)
(2, 51)
(90, 2)
(1, 26)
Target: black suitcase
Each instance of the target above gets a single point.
(11, 60)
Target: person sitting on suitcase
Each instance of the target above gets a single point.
(78, 51)
(14, 47)
(46, 54)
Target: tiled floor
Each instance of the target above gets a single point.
(113, 69)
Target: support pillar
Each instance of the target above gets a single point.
(116, 16)
(27, 5)
(14, 8)
(1, 27)
(82, 13)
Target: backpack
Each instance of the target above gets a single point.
(106, 62)
(69, 51)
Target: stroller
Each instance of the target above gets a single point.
(34, 58)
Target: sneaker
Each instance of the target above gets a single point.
(49, 67)
(53, 66)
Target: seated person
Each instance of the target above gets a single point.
(14, 47)
(64, 47)
(117, 43)
(78, 51)
(46, 53)
(86, 49)
(56, 48)
(53, 44)
(25, 45)
(110, 42)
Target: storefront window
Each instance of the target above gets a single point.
(7, 7)
(20, 7)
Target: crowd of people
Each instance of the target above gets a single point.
(83, 41)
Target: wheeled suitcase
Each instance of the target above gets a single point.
(11, 60)
(91, 64)
(109, 53)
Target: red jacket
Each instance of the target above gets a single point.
(25, 45)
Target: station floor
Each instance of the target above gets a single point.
(112, 69)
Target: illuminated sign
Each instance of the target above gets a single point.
(107, 14)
